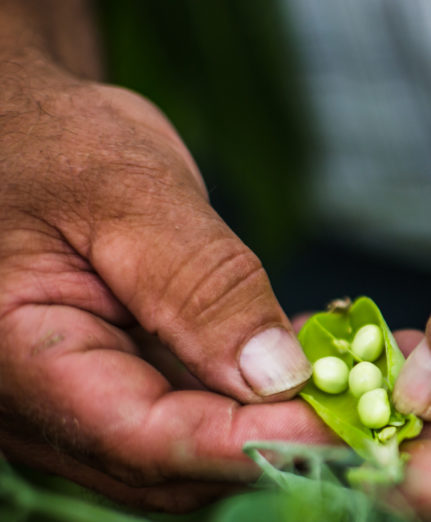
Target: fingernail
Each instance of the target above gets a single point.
(412, 392)
(273, 362)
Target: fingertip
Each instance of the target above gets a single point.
(273, 363)
(412, 392)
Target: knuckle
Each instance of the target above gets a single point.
(226, 285)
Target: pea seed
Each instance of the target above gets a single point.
(364, 377)
(331, 374)
(387, 433)
(341, 345)
(368, 343)
(374, 409)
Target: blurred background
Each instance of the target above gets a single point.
(311, 124)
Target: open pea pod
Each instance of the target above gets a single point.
(330, 334)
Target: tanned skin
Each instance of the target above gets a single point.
(111, 258)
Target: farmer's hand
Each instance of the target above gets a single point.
(105, 222)
(412, 394)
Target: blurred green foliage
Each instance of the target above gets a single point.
(31, 496)
(227, 75)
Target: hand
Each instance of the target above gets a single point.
(105, 223)
(412, 394)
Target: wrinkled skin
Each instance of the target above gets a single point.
(105, 225)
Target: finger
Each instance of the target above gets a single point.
(185, 276)
(142, 219)
(407, 340)
(91, 396)
(416, 485)
(38, 266)
(164, 360)
(412, 392)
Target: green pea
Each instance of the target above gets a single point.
(364, 377)
(368, 343)
(387, 433)
(341, 345)
(374, 409)
(331, 375)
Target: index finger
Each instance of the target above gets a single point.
(112, 410)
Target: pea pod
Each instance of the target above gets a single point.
(331, 333)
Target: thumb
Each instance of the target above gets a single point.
(186, 277)
(412, 393)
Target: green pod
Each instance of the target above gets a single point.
(330, 334)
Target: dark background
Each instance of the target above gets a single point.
(228, 75)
